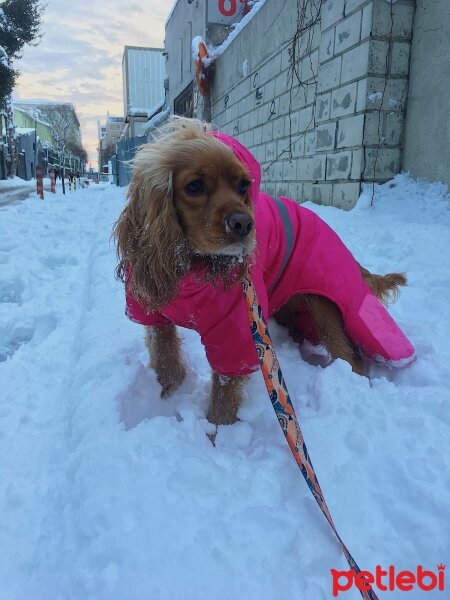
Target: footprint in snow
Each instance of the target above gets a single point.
(12, 338)
(11, 292)
(54, 262)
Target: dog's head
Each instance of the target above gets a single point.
(189, 196)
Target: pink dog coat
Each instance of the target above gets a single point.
(296, 252)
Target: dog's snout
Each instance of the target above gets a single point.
(239, 224)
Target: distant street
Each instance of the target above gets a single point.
(16, 193)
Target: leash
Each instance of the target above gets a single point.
(285, 413)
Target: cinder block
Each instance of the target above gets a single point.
(281, 189)
(291, 123)
(399, 21)
(299, 97)
(276, 171)
(323, 107)
(355, 63)
(260, 154)
(298, 146)
(378, 51)
(339, 165)
(306, 118)
(366, 22)
(307, 192)
(267, 133)
(309, 66)
(283, 148)
(393, 128)
(361, 96)
(295, 191)
(345, 195)
(285, 58)
(290, 170)
(283, 104)
(278, 128)
(400, 58)
(269, 90)
(271, 188)
(257, 135)
(311, 169)
(351, 5)
(343, 100)
(326, 48)
(245, 121)
(394, 97)
(381, 164)
(350, 131)
(310, 143)
(326, 136)
(248, 139)
(322, 193)
(373, 128)
(271, 151)
(332, 12)
(348, 32)
(357, 164)
(329, 75)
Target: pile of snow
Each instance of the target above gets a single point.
(109, 493)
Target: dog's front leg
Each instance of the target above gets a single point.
(166, 358)
(226, 395)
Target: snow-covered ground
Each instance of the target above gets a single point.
(109, 493)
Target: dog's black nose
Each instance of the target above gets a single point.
(239, 224)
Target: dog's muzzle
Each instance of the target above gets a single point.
(238, 224)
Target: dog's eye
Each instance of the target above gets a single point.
(243, 186)
(195, 187)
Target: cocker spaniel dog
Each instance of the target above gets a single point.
(195, 223)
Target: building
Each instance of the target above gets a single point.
(186, 22)
(143, 73)
(108, 136)
(36, 143)
(328, 96)
(58, 130)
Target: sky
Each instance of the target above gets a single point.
(79, 58)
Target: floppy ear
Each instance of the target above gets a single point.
(150, 243)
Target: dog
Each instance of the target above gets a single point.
(195, 224)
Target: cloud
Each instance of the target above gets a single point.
(79, 58)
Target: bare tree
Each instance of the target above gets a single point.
(20, 22)
(61, 121)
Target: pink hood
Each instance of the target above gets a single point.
(296, 252)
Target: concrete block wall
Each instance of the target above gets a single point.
(343, 125)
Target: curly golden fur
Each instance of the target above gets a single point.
(163, 232)
(185, 186)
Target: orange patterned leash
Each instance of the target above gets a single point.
(284, 410)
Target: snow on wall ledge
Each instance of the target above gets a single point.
(344, 125)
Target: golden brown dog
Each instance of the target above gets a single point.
(188, 205)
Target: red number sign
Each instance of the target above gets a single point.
(227, 7)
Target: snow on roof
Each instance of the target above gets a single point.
(157, 119)
(24, 130)
(145, 111)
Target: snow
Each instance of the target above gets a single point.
(15, 182)
(109, 493)
(215, 51)
(158, 118)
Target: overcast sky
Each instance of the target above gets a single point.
(79, 58)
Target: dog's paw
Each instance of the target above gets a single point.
(171, 381)
(221, 417)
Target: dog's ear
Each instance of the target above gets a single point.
(150, 243)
